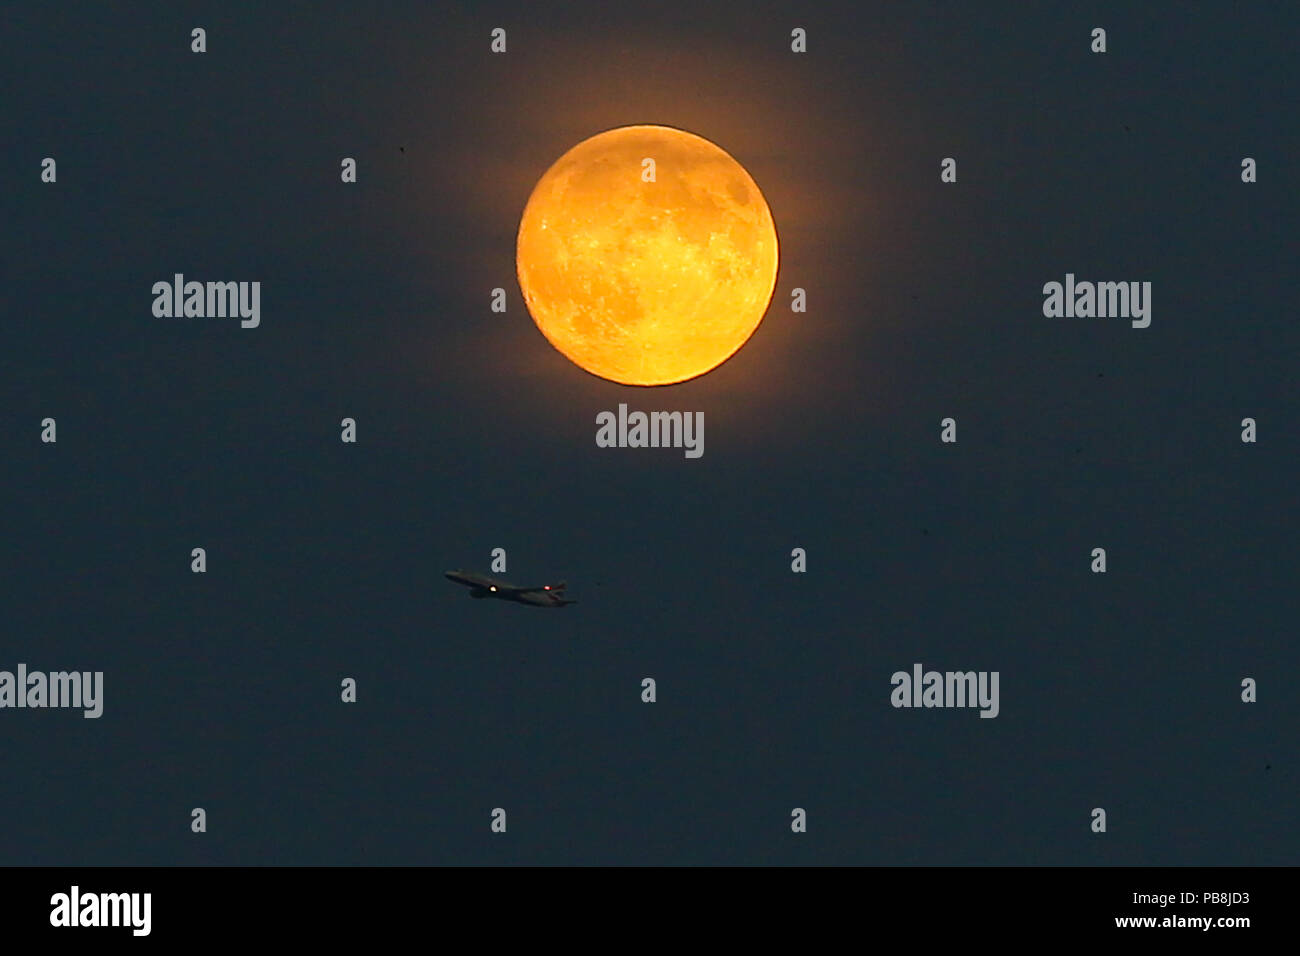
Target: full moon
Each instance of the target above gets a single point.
(647, 255)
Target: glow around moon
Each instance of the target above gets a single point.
(647, 282)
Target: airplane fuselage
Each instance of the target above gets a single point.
(483, 586)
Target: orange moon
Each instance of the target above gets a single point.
(647, 255)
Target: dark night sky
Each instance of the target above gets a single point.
(325, 560)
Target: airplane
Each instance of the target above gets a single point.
(482, 586)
